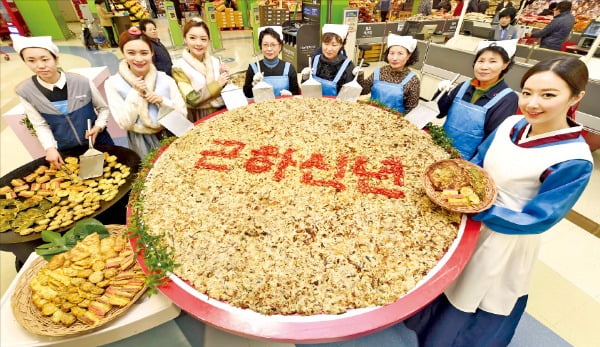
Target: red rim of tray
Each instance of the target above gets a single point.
(347, 326)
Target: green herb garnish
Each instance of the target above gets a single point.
(157, 256)
(382, 106)
(58, 243)
(440, 138)
(27, 123)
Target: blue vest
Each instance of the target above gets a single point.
(278, 83)
(390, 94)
(329, 87)
(161, 87)
(465, 121)
(67, 119)
(69, 128)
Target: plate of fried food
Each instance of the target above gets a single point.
(36, 196)
(459, 186)
(79, 290)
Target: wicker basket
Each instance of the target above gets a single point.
(486, 201)
(28, 315)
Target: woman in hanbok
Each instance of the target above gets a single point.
(200, 76)
(541, 165)
(139, 95)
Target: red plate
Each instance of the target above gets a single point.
(324, 328)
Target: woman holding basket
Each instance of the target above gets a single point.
(541, 164)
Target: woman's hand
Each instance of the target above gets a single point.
(93, 133)
(54, 158)
(140, 85)
(153, 98)
(223, 68)
(305, 73)
(257, 78)
(444, 86)
(223, 79)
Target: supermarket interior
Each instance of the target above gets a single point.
(563, 308)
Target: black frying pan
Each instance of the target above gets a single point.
(124, 156)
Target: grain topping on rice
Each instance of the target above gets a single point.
(300, 206)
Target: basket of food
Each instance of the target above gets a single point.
(459, 186)
(81, 289)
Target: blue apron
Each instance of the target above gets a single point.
(278, 83)
(465, 121)
(390, 94)
(69, 129)
(329, 87)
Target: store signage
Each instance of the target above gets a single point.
(450, 26)
(171, 12)
(310, 11)
(365, 31)
(394, 28)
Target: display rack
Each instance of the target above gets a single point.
(271, 15)
(135, 8)
(300, 39)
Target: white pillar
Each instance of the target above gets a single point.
(462, 17)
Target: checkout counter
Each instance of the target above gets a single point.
(375, 35)
(442, 62)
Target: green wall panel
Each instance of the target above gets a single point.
(44, 18)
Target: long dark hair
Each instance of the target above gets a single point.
(496, 49)
(571, 70)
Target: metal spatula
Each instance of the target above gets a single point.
(351, 90)
(262, 91)
(233, 96)
(91, 163)
(425, 112)
(311, 88)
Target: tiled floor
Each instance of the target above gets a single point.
(565, 295)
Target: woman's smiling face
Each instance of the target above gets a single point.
(397, 57)
(197, 41)
(546, 98)
(138, 56)
(270, 47)
(332, 48)
(488, 68)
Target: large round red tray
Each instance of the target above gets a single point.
(324, 328)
